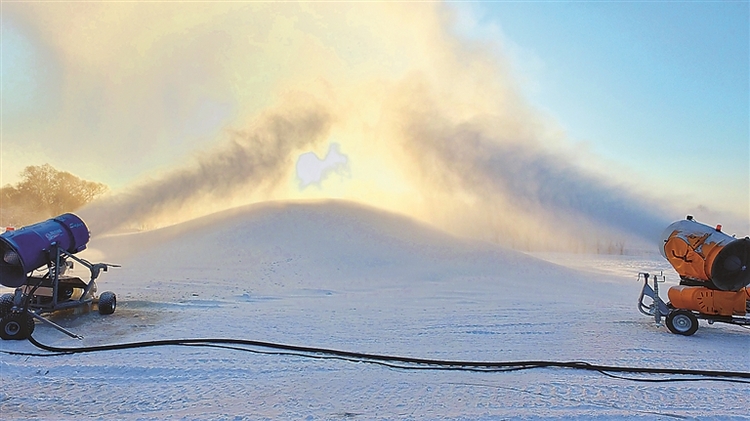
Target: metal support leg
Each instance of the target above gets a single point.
(658, 308)
(55, 325)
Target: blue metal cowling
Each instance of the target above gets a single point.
(27, 249)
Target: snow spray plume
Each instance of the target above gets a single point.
(513, 179)
(249, 161)
(519, 193)
(433, 125)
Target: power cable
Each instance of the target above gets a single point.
(405, 363)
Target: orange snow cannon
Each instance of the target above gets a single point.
(714, 270)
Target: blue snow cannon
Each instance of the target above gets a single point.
(33, 260)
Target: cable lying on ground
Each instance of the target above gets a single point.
(399, 362)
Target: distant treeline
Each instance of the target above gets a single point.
(44, 192)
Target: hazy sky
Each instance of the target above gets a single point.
(661, 88)
(653, 97)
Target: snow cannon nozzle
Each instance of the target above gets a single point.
(706, 255)
(29, 248)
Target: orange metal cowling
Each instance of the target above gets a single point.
(709, 301)
(707, 255)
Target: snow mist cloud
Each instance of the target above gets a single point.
(254, 159)
(432, 125)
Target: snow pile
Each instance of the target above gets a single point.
(340, 275)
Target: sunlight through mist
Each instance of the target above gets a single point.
(431, 124)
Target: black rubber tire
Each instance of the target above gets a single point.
(30, 325)
(107, 302)
(6, 304)
(16, 326)
(682, 322)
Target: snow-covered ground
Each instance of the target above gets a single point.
(339, 275)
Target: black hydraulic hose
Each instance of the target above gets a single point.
(419, 363)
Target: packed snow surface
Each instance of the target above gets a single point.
(339, 275)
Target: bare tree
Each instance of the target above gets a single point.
(44, 192)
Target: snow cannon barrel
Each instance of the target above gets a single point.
(705, 254)
(29, 248)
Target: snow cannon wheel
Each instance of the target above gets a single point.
(6, 304)
(107, 302)
(682, 322)
(16, 326)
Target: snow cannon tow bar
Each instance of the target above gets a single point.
(47, 247)
(714, 271)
